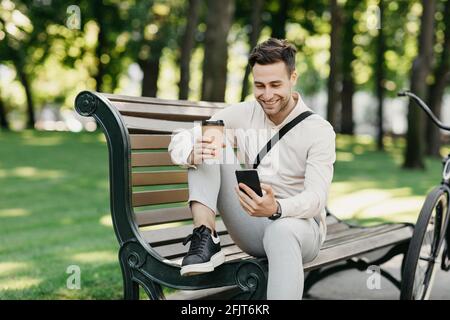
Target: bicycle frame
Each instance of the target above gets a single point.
(445, 183)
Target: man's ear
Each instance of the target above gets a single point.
(293, 77)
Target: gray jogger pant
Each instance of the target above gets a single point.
(287, 242)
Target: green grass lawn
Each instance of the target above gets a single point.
(54, 208)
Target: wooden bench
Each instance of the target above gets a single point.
(150, 215)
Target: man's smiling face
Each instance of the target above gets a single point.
(272, 86)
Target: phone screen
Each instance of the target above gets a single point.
(250, 178)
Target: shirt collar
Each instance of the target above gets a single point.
(299, 108)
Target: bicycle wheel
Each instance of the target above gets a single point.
(445, 263)
(424, 249)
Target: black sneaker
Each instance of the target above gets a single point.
(204, 253)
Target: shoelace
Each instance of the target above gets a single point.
(198, 241)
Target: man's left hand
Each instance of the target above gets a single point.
(255, 205)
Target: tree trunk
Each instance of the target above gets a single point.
(150, 69)
(414, 153)
(100, 67)
(348, 89)
(254, 36)
(30, 104)
(187, 44)
(3, 120)
(279, 20)
(348, 85)
(380, 67)
(215, 60)
(441, 78)
(335, 68)
(101, 44)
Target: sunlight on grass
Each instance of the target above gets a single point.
(348, 205)
(66, 221)
(95, 256)
(104, 185)
(19, 283)
(43, 141)
(106, 220)
(358, 150)
(375, 203)
(345, 141)
(344, 156)
(406, 216)
(33, 173)
(14, 212)
(393, 206)
(101, 138)
(11, 267)
(344, 188)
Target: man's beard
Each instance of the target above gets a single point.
(285, 105)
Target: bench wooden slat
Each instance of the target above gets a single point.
(154, 125)
(149, 141)
(358, 234)
(165, 215)
(168, 215)
(158, 178)
(157, 101)
(350, 249)
(183, 213)
(150, 159)
(335, 227)
(331, 235)
(231, 252)
(176, 234)
(161, 237)
(165, 112)
(172, 237)
(327, 255)
(175, 250)
(144, 198)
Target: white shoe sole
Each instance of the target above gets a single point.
(193, 269)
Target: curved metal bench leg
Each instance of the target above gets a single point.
(251, 277)
(130, 287)
(131, 258)
(152, 289)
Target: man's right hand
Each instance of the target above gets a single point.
(203, 149)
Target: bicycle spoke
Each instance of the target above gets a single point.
(428, 259)
(422, 257)
(418, 285)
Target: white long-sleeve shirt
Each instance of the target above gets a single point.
(299, 167)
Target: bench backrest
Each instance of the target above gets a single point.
(158, 188)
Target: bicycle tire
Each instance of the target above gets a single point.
(445, 263)
(417, 282)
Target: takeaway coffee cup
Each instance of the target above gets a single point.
(214, 128)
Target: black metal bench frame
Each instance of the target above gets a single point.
(243, 277)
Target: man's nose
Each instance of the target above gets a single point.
(268, 94)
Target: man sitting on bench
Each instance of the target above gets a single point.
(287, 224)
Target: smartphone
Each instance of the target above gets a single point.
(250, 178)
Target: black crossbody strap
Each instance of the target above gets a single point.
(277, 137)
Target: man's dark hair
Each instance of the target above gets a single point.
(274, 50)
